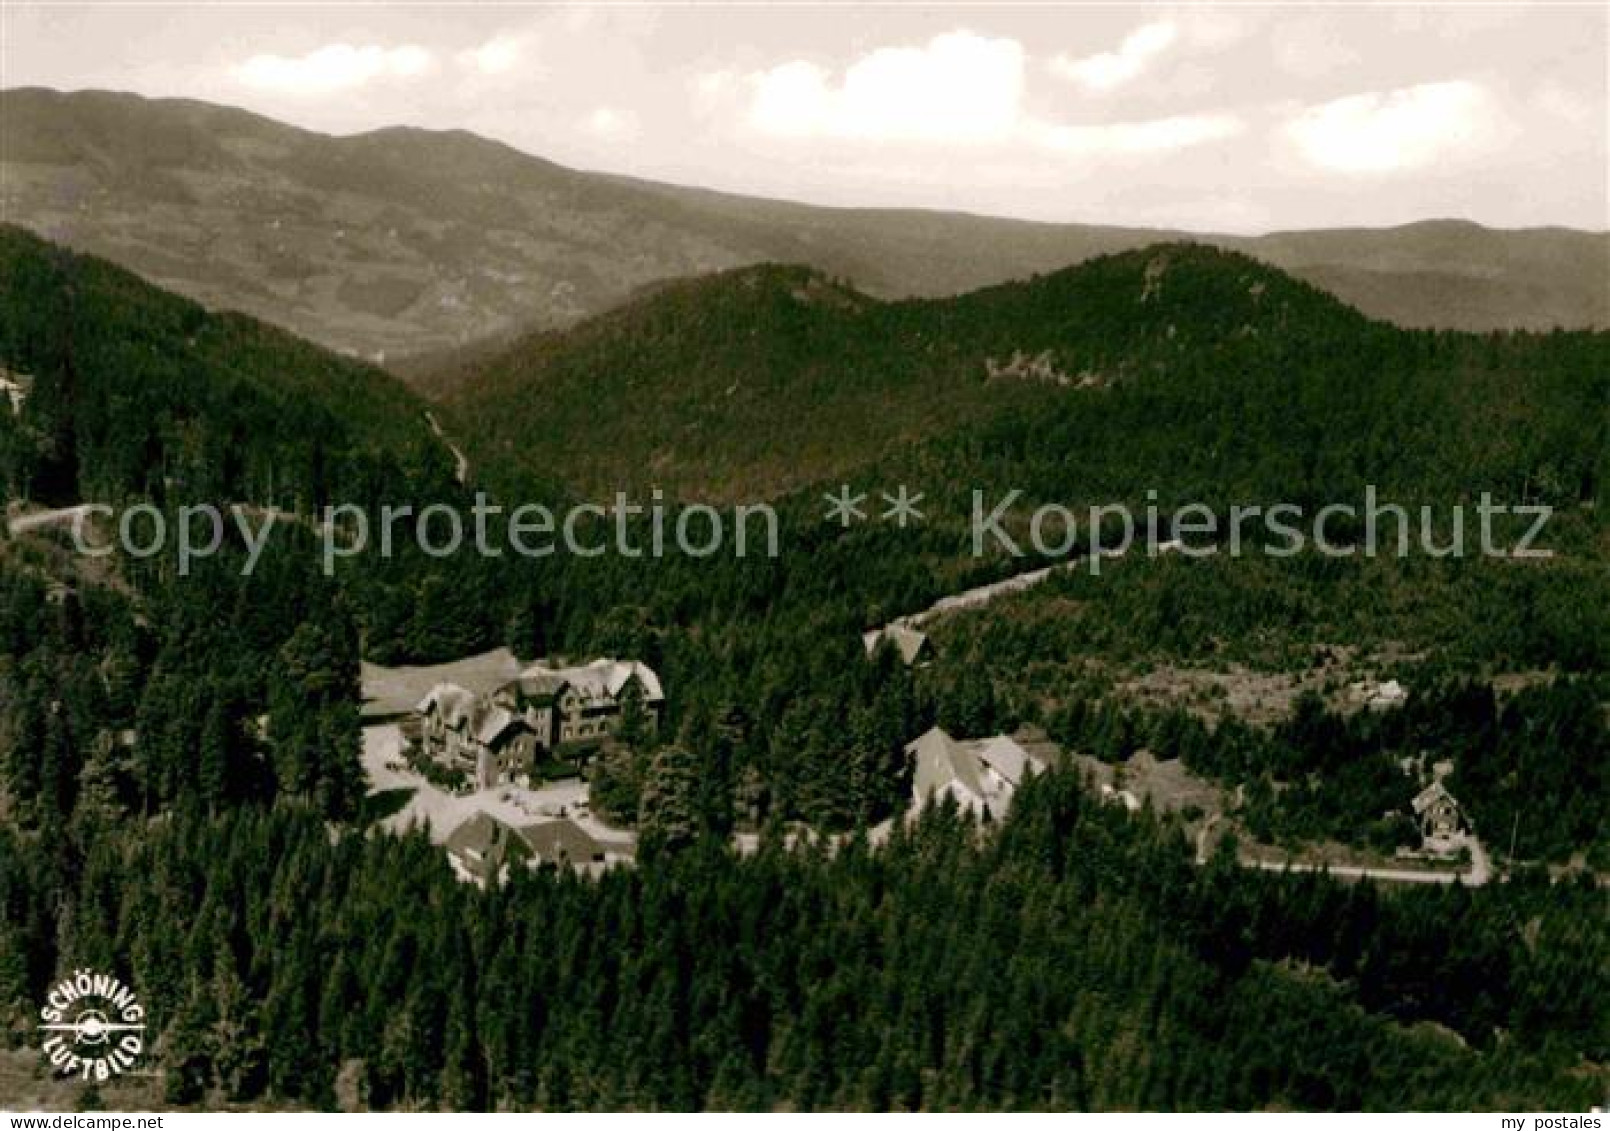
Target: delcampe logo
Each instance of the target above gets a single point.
(95, 1026)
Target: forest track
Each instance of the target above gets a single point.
(40, 519)
(461, 462)
(1475, 877)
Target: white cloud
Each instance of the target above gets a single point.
(1159, 135)
(1380, 132)
(335, 67)
(611, 123)
(494, 57)
(959, 87)
(1112, 69)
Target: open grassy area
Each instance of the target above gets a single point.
(388, 692)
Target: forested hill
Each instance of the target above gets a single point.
(757, 381)
(409, 241)
(190, 744)
(137, 392)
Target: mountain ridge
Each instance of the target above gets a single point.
(762, 380)
(401, 242)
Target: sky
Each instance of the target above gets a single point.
(1233, 118)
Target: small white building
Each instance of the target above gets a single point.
(1442, 822)
(911, 645)
(1380, 696)
(1120, 797)
(15, 387)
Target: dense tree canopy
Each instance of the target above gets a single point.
(181, 798)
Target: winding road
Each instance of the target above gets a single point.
(983, 594)
(1479, 873)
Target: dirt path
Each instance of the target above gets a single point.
(982, 594)
(1472, 878)
(1479, 872)
(41, 519)
(461, 462)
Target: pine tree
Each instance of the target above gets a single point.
(215, 756)
(668, 815)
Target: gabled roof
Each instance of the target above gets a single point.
(496, 723)
(600, 680)
(1008, 759)
(455, 704)
(620, 674)
(483, 844)
(1430, 795)
(941, 760)
(986, 769)
(907, 641)
(536, 684)
(561, 841)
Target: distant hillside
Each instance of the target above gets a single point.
(1198, 369)
(132, 391)
(1454, 275)
(406, 242)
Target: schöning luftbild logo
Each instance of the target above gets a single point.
(95, 1026)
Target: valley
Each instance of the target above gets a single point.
(224, 748)
(779, 559)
